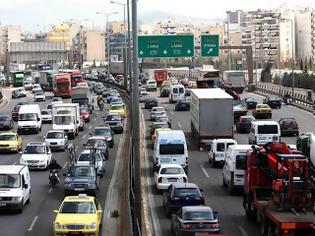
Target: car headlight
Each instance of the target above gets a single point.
(67, 185)
(12, 145)
(58, 225)
(92, 225)
(92, 185)
(109, 139)
(17, 199)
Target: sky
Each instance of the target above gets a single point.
(37, 15)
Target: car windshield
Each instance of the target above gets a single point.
(171, 171)
(81, 171)
(34, 149)
(102, 132)
(112, 118)
(159, 109)
(198, 215)
(7, 137)
(240, 162)
(263, 106)
(54, 135)
(93, 142)
(46, 112)
(55, 99)
(4, 118)
(182, 192)
(247, 120)
(162, 119)
(84, 157)
(250, 99)
(237, 103)
(10, 181)
(62, 120)
(49, 106)
(116, 107)
(28, 117)
(78, 207)
(39, 93)
(267, 129)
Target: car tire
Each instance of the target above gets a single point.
(28, 200)
(223, 182)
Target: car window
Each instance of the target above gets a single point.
(34, 149)
(102, 132)
(7, 137)
(220, 147)
(54, 135)
(240, 162)
(267, 129)
(198, 215)
(81, 171)
(181, 90)
(78, 207)
(171, 171)
(84, 157)
(182, 192)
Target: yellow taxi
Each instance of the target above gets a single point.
(10, 142)
(118, 108)
(262, 111)
(192, 84)
(155, 133)
(166, 84)
(78, 215)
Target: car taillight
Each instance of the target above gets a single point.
(199, 200)
(174, 199)
(160, 180)
(185, 179)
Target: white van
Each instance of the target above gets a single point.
(151, 85)
(177, 92)
(262, 132)
(15, 186)
(218, 150)
(170, 148)
(234, 167)
(30, 118)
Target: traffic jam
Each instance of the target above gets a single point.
(64, 129)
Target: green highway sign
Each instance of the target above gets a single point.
(155, 46)
(209, 45)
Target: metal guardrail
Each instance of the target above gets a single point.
(298, 99)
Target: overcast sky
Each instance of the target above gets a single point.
(38, 14)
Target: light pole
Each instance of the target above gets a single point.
(125, 43)
(228, 37)
(107, 35)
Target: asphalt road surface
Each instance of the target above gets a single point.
(37, 217)
(230, 210)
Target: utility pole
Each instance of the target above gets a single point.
(135, 114)
(228, 37)
(129, 46)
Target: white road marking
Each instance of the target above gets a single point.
(32, 224)
(83, 137)
(50, 190)
(244, 233)
(179, 124)
(204, 171)
(90, 126)
(94, 119)
(64, 166)
(76, 148)
(172, 113)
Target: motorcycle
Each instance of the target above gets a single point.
(53, 178)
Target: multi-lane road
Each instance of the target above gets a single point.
(231, 214)
(37, 217)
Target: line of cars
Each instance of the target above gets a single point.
(183, 201)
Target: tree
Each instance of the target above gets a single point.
(305, 69)
(266, 74)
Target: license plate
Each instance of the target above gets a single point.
(2, 204)
(79, 189)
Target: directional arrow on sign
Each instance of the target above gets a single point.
(210, 50)
(188, 51)
(141, 52)
(164, 52)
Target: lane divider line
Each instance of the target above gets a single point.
(32, 224)
(64, 166)
(243, 232)
(90, 126)
(50, 190)
(179, 124)
(83, 137)
(204, 171)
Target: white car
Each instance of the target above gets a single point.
(36, 87)
(82, 84)
(36, 156)
(85, 158)
(56, 100)
(157, 111)
(39, 96)
(46, 116)
(28, 85)
(56, 139)
(22, 92)
(169, 174)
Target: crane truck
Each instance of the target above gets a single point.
(278, 192)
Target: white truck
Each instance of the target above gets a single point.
(66, 116)
(117, 68)
(235, 80)
(211, 115)
(82, 96)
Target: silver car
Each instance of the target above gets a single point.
(56, 139)
(157, 111)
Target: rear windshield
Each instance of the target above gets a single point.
(240, 162)
(171, 149)
(182, 192)
(198, 215)
(172, 171)
(220, 147)
(267, 129)
(181, 90)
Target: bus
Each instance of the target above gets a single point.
(46, 79)
(17, 78)
(62, 85)
(76, 76)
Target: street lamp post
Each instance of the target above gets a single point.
(228, 37)
(107, 35)
(125, 43)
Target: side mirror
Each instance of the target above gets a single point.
(25, 186)
(66, 137)
(201, 190)
(20, 152)
(64, 174)
(55, 211)
(44, 137)
(38, 119)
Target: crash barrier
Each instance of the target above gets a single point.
(134, 223)
(298, 99)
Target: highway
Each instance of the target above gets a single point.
(230, 210)
(37, 217)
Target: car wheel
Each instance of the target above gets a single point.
(223, 182)
(28, 200)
